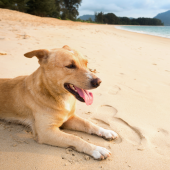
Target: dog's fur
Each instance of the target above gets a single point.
(41, 101)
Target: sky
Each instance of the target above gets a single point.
(128, 8)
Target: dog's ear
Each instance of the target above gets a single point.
(67, 47)
(41, 54)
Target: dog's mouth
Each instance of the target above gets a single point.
(80, 94)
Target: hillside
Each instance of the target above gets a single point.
(86, 17)
(164, 17)
(12, 15)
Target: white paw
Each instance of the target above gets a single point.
(100, 153)
(108, 134)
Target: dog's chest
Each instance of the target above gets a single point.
(67, 106)
(66, 118)
(68, 103)
(68, 109)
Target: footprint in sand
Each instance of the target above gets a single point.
(114, 90)
(106, 114)
(127, 132)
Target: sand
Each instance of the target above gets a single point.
(133, 99)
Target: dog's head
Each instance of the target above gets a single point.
(66, 70)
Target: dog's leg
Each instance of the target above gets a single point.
(80, 124)
(52, 135)
(56, 137)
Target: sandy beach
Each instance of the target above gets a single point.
(133, 99)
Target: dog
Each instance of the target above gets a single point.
(45, 100)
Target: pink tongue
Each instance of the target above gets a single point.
(86, 95)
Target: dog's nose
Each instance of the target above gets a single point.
(96, 82)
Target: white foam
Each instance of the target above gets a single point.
(161, 31)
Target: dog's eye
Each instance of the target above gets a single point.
(71, 66)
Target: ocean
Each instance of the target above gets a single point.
(162, 31)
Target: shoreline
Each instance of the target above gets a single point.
(140, 31)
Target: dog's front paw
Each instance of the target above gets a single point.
(100, 153)
(107, 134)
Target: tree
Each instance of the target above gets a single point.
(99, 17)
(70, 9)
(95, 16)
(58, 7)
(110, 18)
(124, 21)
(90, 20)
(67, 9)
(21, 5)
(7, 4)
(41, 7)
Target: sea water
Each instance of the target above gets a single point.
(162, 31)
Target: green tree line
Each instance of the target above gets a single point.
(111, 18)
(64, 9)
